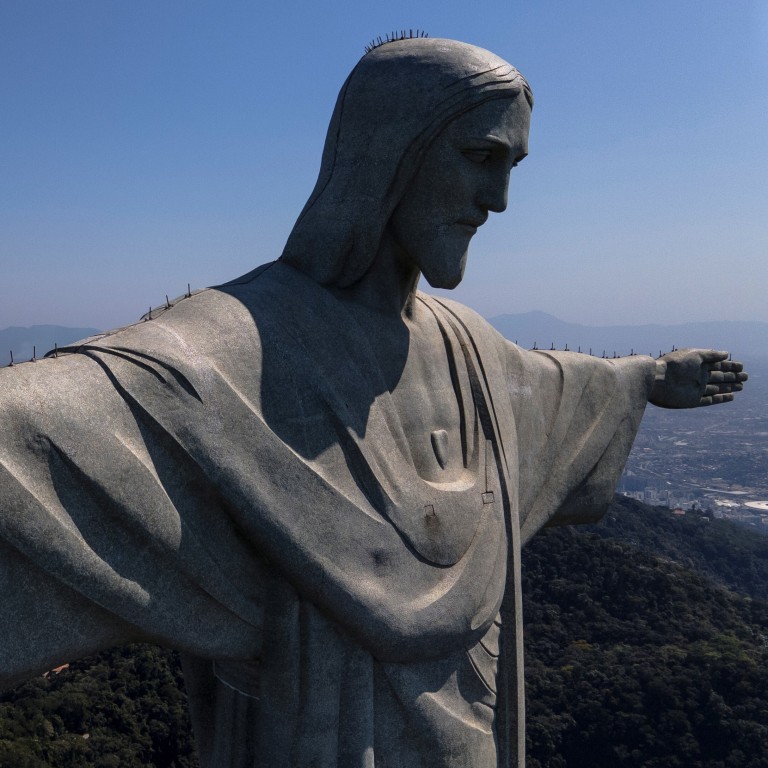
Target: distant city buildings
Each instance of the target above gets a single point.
(714, 461)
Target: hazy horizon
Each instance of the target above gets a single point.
(534, 312)
(747, 341)
(151, 145)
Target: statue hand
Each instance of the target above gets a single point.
(689, 378)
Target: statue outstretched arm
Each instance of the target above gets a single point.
(690, 378)
(106, 528)
(577, 417)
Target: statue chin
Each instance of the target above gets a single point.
(445, 284)
(446, 275)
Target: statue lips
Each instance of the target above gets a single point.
(473, 223)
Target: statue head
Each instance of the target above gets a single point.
(463, 176)
(398, 99)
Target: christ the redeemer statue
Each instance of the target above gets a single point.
(315, 480)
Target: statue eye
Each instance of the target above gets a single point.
(476, 155)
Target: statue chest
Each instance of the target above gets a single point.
(434, 404)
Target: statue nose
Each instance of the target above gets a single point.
(495, 193)
(498, 202)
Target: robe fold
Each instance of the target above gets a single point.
(231, 478)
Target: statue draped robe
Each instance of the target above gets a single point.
(231, 478)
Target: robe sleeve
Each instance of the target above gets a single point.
(93, 550)
(576, 418)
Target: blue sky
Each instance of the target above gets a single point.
(154, 143)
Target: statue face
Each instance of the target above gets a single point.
(464, 175)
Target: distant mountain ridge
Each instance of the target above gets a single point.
(745, 340)
(37, 339)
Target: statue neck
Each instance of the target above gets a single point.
(387, 291)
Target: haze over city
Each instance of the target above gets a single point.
(151, 145)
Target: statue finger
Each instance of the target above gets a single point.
(713, 356)
(718, 389)
(716, 377)
(725, 397)
(731, 365)
(742, 376)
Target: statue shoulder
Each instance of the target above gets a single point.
(472, 321)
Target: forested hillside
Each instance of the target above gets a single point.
(646, 642)
(636, 660)
(125, 708)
